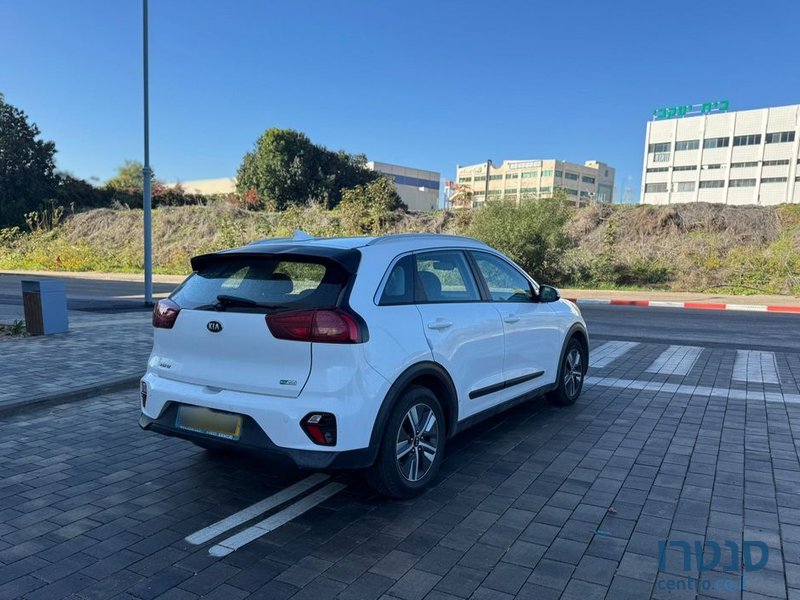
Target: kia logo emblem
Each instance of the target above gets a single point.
(214, 326)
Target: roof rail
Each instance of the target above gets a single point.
(406, 236)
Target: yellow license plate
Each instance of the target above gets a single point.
(204, 420)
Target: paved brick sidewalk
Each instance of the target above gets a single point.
(92, 507)
(98, 349)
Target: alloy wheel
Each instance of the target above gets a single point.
(573, 372)
(417, 442)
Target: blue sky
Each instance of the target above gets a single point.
(425, 84)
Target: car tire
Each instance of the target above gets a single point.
(411, 441)
(571, 374)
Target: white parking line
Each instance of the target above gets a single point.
(251, 512)
(692, 390)
(604, 355)
(755, 366)
(272, 522)
(675, 360)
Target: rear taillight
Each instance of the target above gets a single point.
(164, 314)
(333, 326)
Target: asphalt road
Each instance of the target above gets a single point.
(87, 294)
(711, 328)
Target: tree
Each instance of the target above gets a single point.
(129, 177)
(27, 168)
(287, 168)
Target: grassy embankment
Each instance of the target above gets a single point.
(698, 247)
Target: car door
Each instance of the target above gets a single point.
(465, 334)
(533, 337)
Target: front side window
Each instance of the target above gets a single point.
(444, 276)
(505, 283)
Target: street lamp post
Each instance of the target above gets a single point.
(146, 175)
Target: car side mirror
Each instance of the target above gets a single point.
(547, 293)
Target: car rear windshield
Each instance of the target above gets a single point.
(262, 283)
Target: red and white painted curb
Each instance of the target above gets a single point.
(694, 305)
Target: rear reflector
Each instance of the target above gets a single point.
(164, 314)
(333, 326)
(320, 428)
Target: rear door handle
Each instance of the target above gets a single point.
(439, 324)
(510, 319)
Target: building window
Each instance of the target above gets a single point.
(774, 179)
(661, 157)
(661, 147)
(584, 194)
(685, 168)
(559, 173)
(780, 137)
(687, 145)
(747, 140)
(587, 179)
(527, 190)
(478, 193)
(480, 178)
(511, 191)
(714, 166)
(571, 176)
(494, 192)
(464, 179)
(655, 187)
(529, 175)
(547, 173)
(512, 175)
(495, 177)
(742, 183)
(720, 142)
(545, 189)
(775, 163)
(659, 169)
(684, 186)
(714, 183)
(741, 165)
(571, 191)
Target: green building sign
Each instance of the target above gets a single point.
(690, 110)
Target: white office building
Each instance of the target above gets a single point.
(742, 157)
(418, 189)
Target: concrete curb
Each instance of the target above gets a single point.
(693, 305)
(72, 395)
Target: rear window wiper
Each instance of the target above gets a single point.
(226, 300)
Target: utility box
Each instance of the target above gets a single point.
(45, 303)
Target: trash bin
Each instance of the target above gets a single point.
(45, 303)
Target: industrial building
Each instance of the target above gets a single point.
(418, 189)
(740, 157)
(519, 180)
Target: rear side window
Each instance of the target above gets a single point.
(258, 283)
(399, 288)
(444, 276)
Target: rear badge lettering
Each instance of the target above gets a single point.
(214, 326)
(288, 381)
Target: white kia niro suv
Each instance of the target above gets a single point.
(350, 353)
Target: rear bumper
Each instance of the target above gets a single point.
(254, 440)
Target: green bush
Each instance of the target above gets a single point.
(532, 234)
